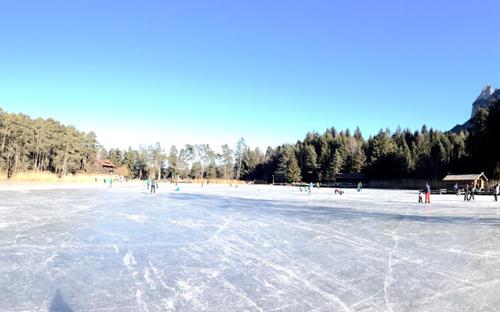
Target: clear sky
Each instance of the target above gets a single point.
(269, 71)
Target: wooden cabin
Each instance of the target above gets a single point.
(463, 179)
(104, 166)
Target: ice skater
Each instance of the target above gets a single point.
(496, 191)
(148, 182)
(427, 193)
(420, 201)
(153, 186)
(471, 193)
(360, 186)
(110, 182)
(309, 188)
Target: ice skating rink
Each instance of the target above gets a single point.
(250, 248)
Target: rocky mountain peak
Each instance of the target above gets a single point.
(486, 93)
(484, 99)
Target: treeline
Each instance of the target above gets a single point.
(43, 145)
(319, 157)
(190, 162)
(403, 154)
(39, 144)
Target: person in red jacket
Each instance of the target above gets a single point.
(427, 193)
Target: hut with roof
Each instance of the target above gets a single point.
(478, 179)
(104, 166)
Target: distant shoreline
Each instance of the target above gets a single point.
(31, 186)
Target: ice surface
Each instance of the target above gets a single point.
(251, 248)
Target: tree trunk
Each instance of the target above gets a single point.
(37, 160)
(65, 161)
(16, 162)
(9, 167)
(3, 140)
(238, 172)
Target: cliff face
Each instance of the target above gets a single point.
(484, 99)
(487, 95)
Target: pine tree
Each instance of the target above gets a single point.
(335, 166)
(310, 164)
(287, 167)
(227, 162)
(183, 162)
(240, 149)
(173, 162)
(248, 164)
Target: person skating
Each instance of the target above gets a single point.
(427, 193)
(496, 191)
(471, 194)
(153, 186)
(148, 182)
(360, 186)
(466, 192)
(420, 201)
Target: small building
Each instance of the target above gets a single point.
(463, 179)
(104, 166)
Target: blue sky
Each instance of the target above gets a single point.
(269, 71)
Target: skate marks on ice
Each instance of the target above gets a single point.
(254, 248)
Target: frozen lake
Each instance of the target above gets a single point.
(251, 248)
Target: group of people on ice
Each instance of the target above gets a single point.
(337, 191)
(307, 188)
(469, 192)
(425, 191)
